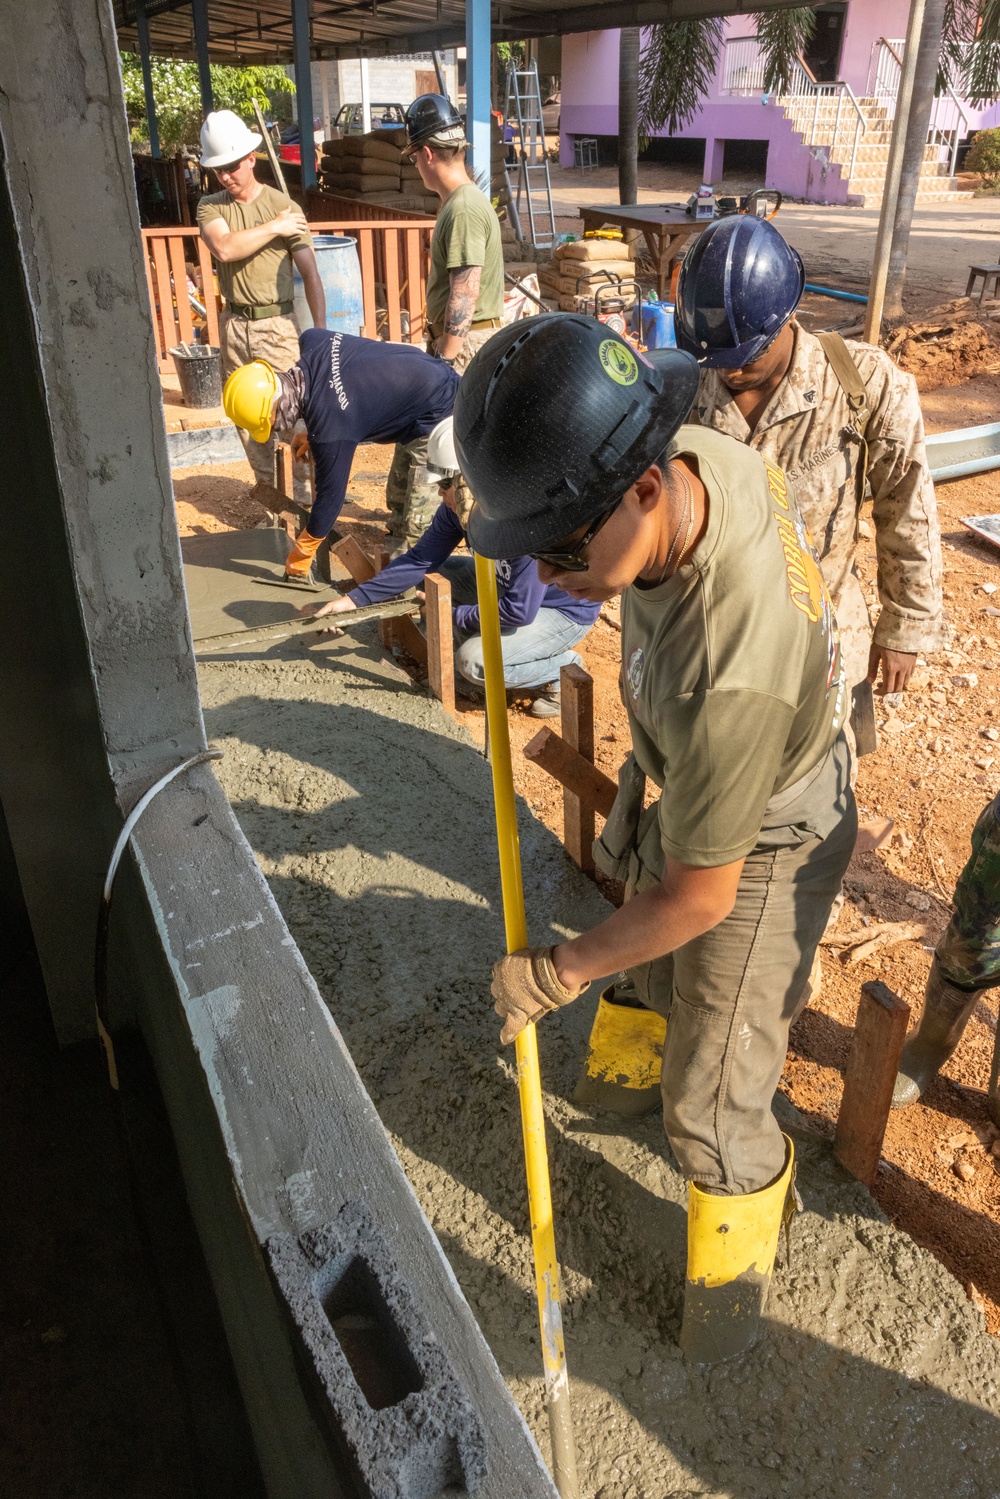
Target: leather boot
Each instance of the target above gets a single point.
(732, 1242)
(622, 1070)
(946, 1012)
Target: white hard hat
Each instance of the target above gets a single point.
(225, 138)
(442, 460)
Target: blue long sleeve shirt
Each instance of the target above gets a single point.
(362, 390)
(520, 591)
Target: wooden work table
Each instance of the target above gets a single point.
(664, 229)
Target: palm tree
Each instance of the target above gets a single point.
(628, 113)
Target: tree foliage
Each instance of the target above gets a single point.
(676, 68)
(783, 36)
(178, 97)
(984, 155)
(970, 53)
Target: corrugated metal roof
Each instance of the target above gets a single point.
(257, 31)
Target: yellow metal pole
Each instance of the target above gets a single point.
(529, 1081)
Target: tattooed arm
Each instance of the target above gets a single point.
(461, 305)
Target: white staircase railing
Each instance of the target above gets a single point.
(949, 123)
(743, 76)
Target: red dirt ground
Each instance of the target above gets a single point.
(935, 770)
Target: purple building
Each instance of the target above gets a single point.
(827, 140)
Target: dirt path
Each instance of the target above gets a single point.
(371, 815)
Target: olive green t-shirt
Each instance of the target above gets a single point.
(264, 278)
(731, 670)
(467, 232)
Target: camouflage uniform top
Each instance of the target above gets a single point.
(807, 428)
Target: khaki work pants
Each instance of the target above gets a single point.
(410, 496)
(729, 998)
(242, 340)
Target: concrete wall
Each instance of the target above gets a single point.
(98, 696)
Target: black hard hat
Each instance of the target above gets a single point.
(430, 115)
(555, 418)
(739, 284)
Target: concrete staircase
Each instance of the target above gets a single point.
(826, 130)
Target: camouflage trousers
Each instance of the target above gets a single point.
(409, 494)
(242, 340)
(968, 954)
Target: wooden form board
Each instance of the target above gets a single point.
(570, 768)
(361, 568)
(440, 646)
(879, 1034)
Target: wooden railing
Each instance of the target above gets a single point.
(393, 255)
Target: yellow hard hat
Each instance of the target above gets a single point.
(247, 397)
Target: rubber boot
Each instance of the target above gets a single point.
(946, 1012)
(732, 1242)
(622, 1070)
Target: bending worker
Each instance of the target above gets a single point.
(464, 282)
(539, 625)
(835, 416)
(347, 390)
(256, 235)
(731, 677)
(966, 961)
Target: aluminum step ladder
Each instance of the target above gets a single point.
(531, 170)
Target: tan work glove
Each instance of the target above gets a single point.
(526, 987)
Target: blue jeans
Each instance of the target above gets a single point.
(532, 654)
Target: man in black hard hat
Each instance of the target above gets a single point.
(464, 283)
(731, 677)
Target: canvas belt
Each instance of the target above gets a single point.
(273, 309)
(436, 329)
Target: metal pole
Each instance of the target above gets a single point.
(366, 96)
(890, 196)
(324, 86)
(303, 90)
(142, 33)
(477, 87)
(529, 1081)
(199, 15)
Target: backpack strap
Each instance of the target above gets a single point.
(849, 378)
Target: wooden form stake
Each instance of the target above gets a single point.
(577, 693)
(570, 768)
(362, 568)
(440, 647)
(869, 1080)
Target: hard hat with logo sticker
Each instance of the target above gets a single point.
(555, 418)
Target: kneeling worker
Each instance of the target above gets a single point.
(732, 680)
(347, 390)
(539, 625)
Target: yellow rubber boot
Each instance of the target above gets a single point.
(732, 1242)
(622, 1070)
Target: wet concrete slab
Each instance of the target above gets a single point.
(219, 574)
(371, 814)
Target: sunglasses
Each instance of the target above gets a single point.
(572, 561)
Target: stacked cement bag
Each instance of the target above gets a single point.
(363, 166)
(579, 267)
(416, 198)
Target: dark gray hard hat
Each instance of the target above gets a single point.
(555, 417)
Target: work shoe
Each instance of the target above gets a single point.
(622, 1070)
(946, 1012)
(732, 1243)
(548, 703)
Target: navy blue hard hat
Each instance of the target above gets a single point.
(555, 418)
(739, 284)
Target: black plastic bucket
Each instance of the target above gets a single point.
(199, 369)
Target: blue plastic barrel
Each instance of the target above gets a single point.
(340, 273)
(657, 324)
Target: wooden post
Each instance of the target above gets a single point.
(440, 647)
(283, 469)
(386, 628)
(569, 767)
(869, 1080)
(577, 692)
(357, 561)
